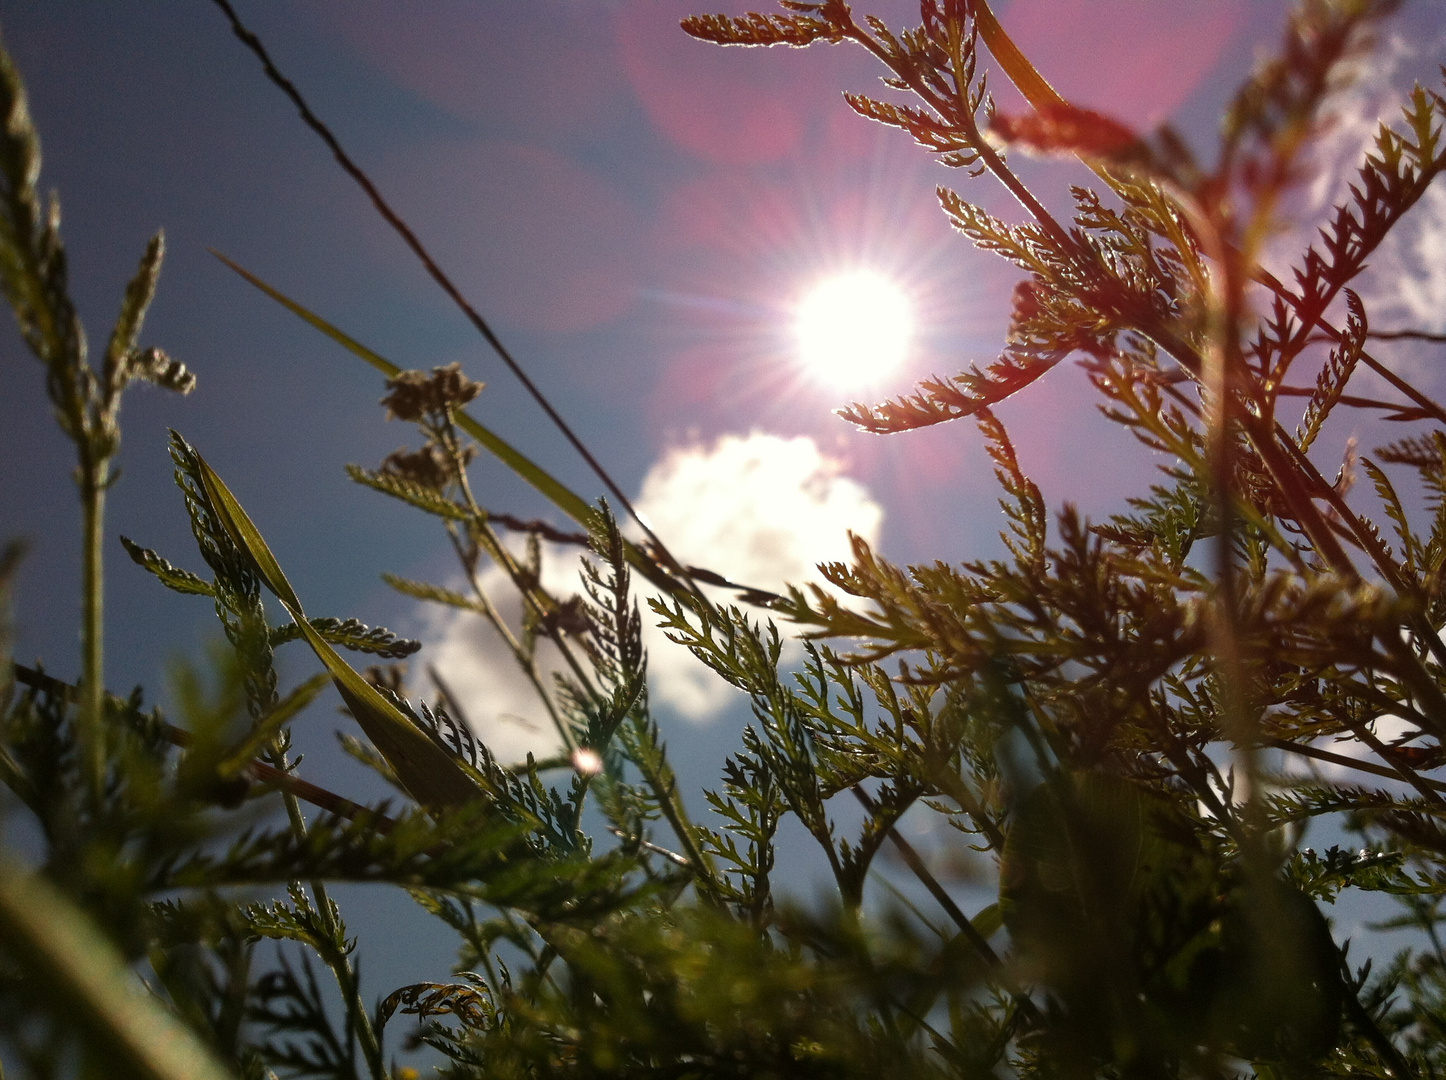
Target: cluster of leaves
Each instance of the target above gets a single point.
(1103, 715)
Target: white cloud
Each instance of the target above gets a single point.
(759, 509)
(1410, 270)
(499, 701)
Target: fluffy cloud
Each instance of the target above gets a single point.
(1410, 272)
(500, 703)
(759, 509)
(762, 511)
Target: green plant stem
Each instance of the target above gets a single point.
(489, 539)
(967, 929)
(525, 662)
(964, 116)
(662, 782)
(335, 959)
(1368, 737)
(349, 984)
(1379, 1040)
(94, 472)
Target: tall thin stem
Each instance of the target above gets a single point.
(94, 473)
(337, 961)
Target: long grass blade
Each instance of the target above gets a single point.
(73, 965)
(432, 776)
(445, 283)
(1024, 75)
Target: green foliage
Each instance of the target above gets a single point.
(1101, 717)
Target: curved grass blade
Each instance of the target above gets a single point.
(248, 538)
(432, 776)
(87, 982)
(1024, 75)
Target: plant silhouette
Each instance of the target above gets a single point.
(1121, 719)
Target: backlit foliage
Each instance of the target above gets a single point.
(1118, 721)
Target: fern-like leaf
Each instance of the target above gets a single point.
(437, 594)
(408, 491)
(755, 29)
(352, 634)
(172, 577)
(1331, 383)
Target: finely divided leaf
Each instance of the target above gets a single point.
(436, 593)
(172, 577)
(352, 634)
(756, 29)
(1330, 384)
(563, 497)
(409, 491)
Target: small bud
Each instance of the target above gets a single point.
(155, 366)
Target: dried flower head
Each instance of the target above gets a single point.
(428, 466)
(570, 617)
(415, 395)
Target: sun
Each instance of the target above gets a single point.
(854, 329)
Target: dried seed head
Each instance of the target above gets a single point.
(415, 395)
(570, 617)
(391, 677)
(167, 373)
(427, 466)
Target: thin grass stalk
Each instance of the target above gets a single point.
(339, 965)
(414, 243)
(94, 474)
(499, 624)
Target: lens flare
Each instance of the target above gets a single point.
(854, 329)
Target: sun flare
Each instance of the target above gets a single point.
(854, 329)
